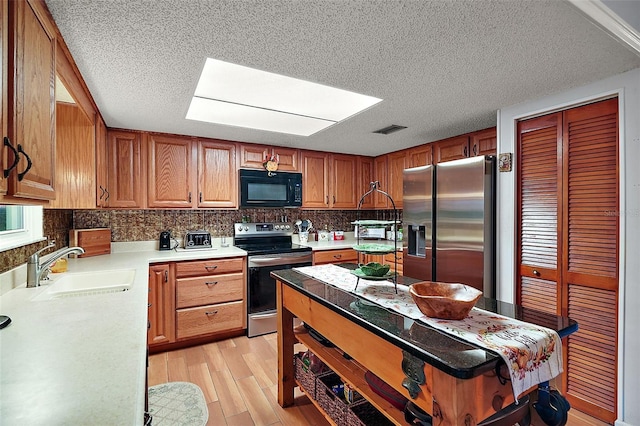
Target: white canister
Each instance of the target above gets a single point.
(304, 236)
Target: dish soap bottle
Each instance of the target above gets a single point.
(60, 265)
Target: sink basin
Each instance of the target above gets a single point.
(86, 283)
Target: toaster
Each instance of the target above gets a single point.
(372, 233)
(197, 239)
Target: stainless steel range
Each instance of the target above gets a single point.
(269, 248)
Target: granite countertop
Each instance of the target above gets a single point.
(81, 360)
(454, 357)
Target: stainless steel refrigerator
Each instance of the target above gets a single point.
(449, 222)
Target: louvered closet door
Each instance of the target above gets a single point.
(568, 241)
(540, 173)
(590, 263)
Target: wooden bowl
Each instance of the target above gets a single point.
(444, 300)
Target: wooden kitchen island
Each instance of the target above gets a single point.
(452, 380)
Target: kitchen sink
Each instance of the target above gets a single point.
(88, 283)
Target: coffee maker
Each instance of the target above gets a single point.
(165, 241)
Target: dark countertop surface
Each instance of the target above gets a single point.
(455, 357)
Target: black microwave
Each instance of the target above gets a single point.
(259, 188)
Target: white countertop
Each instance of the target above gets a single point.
(347, 243)
(81, 360)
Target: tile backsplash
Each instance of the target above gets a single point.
(146, 225)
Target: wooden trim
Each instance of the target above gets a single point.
(610, 21)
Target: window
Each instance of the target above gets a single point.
(19, 226)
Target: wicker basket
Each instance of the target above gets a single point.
(362, 413)
(333, 405)
(304, 375)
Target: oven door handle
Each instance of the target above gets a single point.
(264, 316)
(276, 261)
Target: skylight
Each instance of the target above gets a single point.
(236, 95)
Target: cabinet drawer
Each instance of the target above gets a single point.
(389, 257)
(197, 291)
(208, 319)
(334, 256)
(209, 267)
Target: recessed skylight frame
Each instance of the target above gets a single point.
(236, 95)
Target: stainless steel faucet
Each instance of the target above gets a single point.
(36, 270)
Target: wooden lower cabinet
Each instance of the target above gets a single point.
(334, 256)
(387, 258)
(193, 322)
(161, 304)
(208, 298)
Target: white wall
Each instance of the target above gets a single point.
(627, 87)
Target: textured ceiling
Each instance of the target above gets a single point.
(441, 67)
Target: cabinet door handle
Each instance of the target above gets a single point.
(149, 305)
(108, 195)
(536, 273)
(211, 268)
(7, 143)
(327, 200)
(189, 196)
(166, 276)
(210, 283)
(210, 313)
(101, 192)
(334, 199)
(29, 163)
(200, 196)
(475, 149)
(465, 152)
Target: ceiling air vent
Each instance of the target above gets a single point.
(390, 129)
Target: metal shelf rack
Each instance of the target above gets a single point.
(375, 188)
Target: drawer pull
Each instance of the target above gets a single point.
(337, 256)
(536, 273)
(210, 283)
(211, 268)
(208, 313)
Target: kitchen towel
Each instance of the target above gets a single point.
(177, 404)
(533, 354)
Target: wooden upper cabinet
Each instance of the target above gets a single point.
(484, 142)
(451, 149)
(420, 156)
(126, 169)
(31, 50)
(396, 162)
(102, 163)
(4, 55)
(315, 179)
(75, 158)
(365, 175)
(381, 174)
(217, 174)
(171, 172)
(253, 156)
(344, 181)
(329, 180)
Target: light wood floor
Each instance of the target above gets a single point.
(239, 380)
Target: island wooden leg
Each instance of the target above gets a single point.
(286, 342)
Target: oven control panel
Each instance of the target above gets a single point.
(263, 229)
